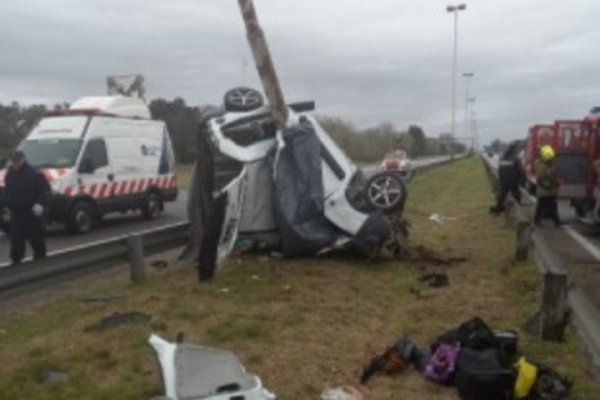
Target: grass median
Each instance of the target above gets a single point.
(301, 324)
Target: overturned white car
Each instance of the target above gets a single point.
(289, 189)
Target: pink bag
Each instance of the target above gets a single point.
(442, 364)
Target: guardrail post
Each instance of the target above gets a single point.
(554, 314)
(135, 251)
(524, 232)
(554, 311)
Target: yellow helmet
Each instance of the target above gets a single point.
(547, 153)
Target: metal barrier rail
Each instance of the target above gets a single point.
(558, 294)
(90, 257)
(104, 254)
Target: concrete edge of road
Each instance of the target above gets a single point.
(100, 255)
(585, 317)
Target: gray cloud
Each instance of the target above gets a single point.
(384, 60)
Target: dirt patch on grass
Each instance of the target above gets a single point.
(301, 324)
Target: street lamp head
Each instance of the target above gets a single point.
(460, 7)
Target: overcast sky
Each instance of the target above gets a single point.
(366, 61)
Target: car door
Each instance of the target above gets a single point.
(95, 177)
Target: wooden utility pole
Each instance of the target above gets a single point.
(264, 63)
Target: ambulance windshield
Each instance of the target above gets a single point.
(51, 153)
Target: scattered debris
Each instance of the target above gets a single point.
(435, 279)
(159, 264)
(440, 218)
(224, 290)
(102, 297)
(199, 372)
(255, 278)
(118, 319)
(51, 375)
(479, 362)
(287, 288)
(342, 393)
(395, 359)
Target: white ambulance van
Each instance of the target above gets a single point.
(102, 155)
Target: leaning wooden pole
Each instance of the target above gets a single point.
(264, 62)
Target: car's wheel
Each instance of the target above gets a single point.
(243, 99)
(80, 218)
(152, 207)
(386, 192)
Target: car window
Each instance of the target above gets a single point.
(96, 151)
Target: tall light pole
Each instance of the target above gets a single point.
(454, 10)
(467, 76)
(473, 122)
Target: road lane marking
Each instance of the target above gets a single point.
(583, 242)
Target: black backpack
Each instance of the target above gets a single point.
(474, 334)
(480, 375)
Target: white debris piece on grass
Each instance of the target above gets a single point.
(342, 393)
(440, 218)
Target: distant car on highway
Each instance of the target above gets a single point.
(396, 161)
(102, 155)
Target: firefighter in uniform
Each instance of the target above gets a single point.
(547, 186)
(26, 192)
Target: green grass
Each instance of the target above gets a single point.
(305, 323)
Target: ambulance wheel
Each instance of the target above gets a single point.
(80, 218)
(386, 191)
(152, 207)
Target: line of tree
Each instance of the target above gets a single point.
(366, 145)
(372, 144)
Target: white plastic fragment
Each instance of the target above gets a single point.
(342, 393)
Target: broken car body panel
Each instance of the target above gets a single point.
(192, 372)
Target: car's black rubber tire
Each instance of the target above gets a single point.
(387, 192)
(80, 218)
(152, 207)
(243, 99)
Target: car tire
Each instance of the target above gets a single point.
(152, 207)
(80, 218)
(243, 99)
(386, 192)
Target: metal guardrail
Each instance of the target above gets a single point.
(558, 294)
(104, 254)
(87, 258)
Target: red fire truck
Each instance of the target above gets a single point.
(577, 146)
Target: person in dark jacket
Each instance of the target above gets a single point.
(511, 175)
(26, 193)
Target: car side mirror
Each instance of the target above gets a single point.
(87, 166)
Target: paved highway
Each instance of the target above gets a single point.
(110, 226)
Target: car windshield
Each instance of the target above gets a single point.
(51, 153)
